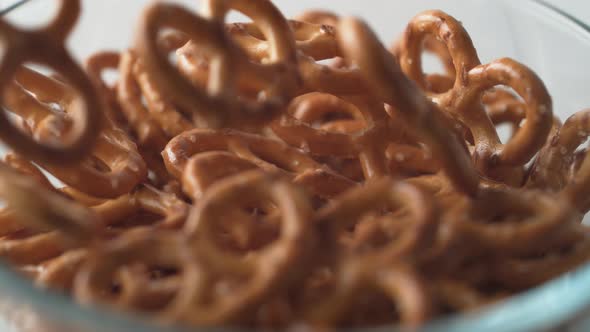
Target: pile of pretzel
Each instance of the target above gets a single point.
(284, 172)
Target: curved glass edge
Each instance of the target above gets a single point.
(526, 312)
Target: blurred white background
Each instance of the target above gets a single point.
(109, 24)
(116, 18)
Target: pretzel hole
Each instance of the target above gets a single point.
(373, 232)
(505, 108)
(157, 280)
(46, 104)
(237, 17)
(34, 14)
(249, 227)
(146, 297)
(436, 66)
(55, 182)
(110, 76)
(432, 64)
(505, 132)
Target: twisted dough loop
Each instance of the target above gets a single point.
(228, 60)
(384, 75)
(46, 46)
(252, 151)
(471, 80)
(269, 269)
(125, 167)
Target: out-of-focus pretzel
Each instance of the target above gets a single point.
(265, 153)
(217, 106)
(368, 145)
(114, 166)
(524, 273)
(367, 136)
(37, 223)
(161, 110)
(398, 281)
(358, 272)
(46, 46)
(116, 212)
(25, 167)
(383, 74)
(97, 66)
(150, 136)
(526, 222)
(314, 41)
(472, 80)
(145, 128)
(94, 281)
(51, 212)
(289, 250)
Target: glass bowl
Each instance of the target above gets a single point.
(555, 45)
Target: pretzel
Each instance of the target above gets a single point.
(25, 167)
(145, 128)
(435, 83)
(124, 166)
(471, 81)
(534, 219)
(265, 153)
(150, 136)
(349, 138)
(218, 95)
(362, 271)
(145, 198)
(554, 168)
(526, 273)
(94, 280)
(399, 282)
(289, 250)
(314, 42)
(59, 272)
(53, 226)
(46, 46)
(378, 195)
(166, 115)
(96, 66)
(459, 296)
(383, 74)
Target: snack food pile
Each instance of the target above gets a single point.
(283, 173)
